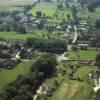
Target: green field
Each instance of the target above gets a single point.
(7, 76)
(11, 9)
(9, 4)
(50, 10)
(88, 54)
(74, 90)
(15, 35)
(47, 8)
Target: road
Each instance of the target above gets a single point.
(76, 35)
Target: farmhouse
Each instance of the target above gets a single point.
(44, 89)
(83, 46)
(9, 63)
(95, 75)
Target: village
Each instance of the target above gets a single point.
(49, 53)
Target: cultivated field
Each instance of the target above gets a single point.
(74, 90)
(50, 10)
(6, 4)
(86, 54)
(47, 8)
(15, 35)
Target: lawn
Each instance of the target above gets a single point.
(7, 76)
(88, 54)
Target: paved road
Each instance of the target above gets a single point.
(76, 35)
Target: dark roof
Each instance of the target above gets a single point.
(95, 74)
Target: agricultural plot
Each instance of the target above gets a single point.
(50, 10)
(7, 4)
(47, 8)
(74, 90)
(15, 35)
(10, 75)
(87, 54)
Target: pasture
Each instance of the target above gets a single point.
(47, 8)
(8, 4)
(8, 76)
(85, 54)
(15, 35)
(74, 90)
(50, 10)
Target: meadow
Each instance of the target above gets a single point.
(74, 90)
(50, 10)
(9, 4)
(15, 35)
(86, 54)
(8, 76)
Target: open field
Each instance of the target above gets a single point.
(6, 4)
(88, 54)
(14, 35)
(47, 8)
(50, 10)
(7, 76)
(74, 90)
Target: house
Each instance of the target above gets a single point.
(85, 61)
(83, 46)
(44, 89)
(9, 63)
(95, 75)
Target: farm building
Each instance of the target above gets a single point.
(83, 46)
(95, 75)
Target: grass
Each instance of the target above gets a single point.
(7, 76)
(8, 4)
(83, 71)
(15, 35)
(74, 90)
(88, 54)
(50, 9)
(11, 9)
(47, 8)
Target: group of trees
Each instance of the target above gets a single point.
(54, 46)
(24, 88)
(91, 4)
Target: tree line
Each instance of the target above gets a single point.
(24, 88)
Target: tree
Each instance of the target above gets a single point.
(45, 64)
(98, 60)
(68, 16)
(39, 13)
